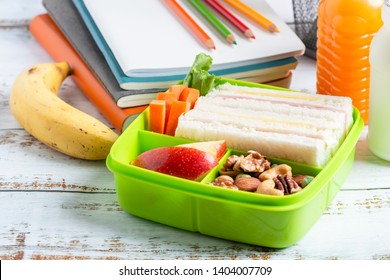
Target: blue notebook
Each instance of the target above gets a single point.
(135, 65)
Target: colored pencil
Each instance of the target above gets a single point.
(192, 25)
(253, 15)
(214, 22)
(231, 18)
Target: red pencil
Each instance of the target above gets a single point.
(231, 18)
(195, 28)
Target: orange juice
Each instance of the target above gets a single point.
(345, 31)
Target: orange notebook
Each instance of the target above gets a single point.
(54, 42)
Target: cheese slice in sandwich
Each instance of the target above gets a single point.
(296, 126)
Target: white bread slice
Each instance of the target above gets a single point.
(294, 99)
(290, 117)
(285, 146)
(296, 126)
(267, 107)
(255, 122)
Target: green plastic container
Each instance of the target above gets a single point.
(251, 218)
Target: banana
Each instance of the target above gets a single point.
(36, 106)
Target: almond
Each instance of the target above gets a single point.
(248, 184)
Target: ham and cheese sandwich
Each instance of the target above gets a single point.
(296, 126)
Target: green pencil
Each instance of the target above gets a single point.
(213, 20)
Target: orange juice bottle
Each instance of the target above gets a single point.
(344, 34)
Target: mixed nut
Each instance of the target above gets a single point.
(255, 173)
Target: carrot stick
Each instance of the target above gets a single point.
(190, 95)
(177, 109)
(169, 98)
(157, 116)
(177, 89)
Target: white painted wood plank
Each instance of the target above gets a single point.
(27, 164)
(41, 225)
(18, 12)
(368, 171)
(56, 207)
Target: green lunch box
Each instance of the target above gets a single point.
(240, 216)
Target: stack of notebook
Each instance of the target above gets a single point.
(124, 52)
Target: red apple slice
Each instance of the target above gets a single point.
(184, 162)
(216, 148)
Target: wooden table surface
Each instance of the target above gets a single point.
(56, 207)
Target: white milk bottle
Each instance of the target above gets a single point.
(379, 117)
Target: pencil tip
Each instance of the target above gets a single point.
(210, 44)
(273, 28)
(231, 40)
(248, 33)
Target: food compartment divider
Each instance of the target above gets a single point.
(262, 220)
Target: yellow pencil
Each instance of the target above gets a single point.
(253, 15)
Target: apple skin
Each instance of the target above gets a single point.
(184, 162)
(216, 148)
